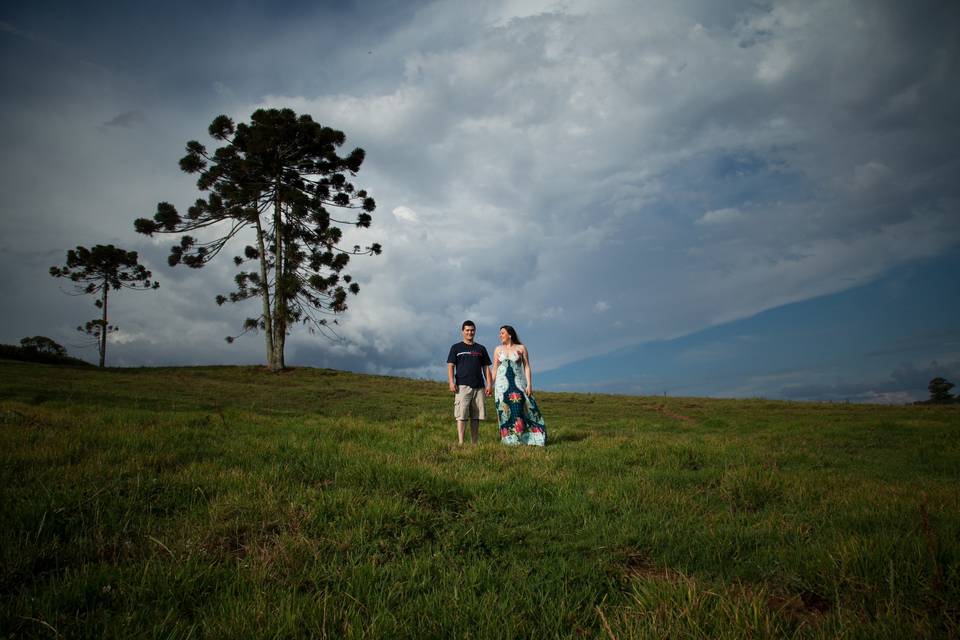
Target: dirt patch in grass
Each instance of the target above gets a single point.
(664, 410)
(439, 499)
(238, 540)
(568, 436)
(803, 606)
(637, 566)
(797, 607)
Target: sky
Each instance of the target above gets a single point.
(737, 198)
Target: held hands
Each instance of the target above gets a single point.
(487, 391)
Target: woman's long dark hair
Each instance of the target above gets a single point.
(513, 334)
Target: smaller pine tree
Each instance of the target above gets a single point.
(96, 271)
(940, 391)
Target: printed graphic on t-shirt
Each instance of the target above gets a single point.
(469, 360)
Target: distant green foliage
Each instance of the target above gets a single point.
(940, 391)
(29, 354)
(43, 344)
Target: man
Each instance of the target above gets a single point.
(468, 372)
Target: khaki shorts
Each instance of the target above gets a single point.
(468, 404)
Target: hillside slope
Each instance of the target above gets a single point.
(227, 501)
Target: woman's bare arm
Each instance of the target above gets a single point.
(528, 370)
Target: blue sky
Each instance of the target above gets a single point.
(618, 180)
(879, 342)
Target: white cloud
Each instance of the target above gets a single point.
(720, 216)
(551, 140)
(870, 175)
(406, 213)
(775, 65)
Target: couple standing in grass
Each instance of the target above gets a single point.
(470, 378)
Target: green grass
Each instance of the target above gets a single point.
(230, 502)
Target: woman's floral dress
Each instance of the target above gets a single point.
(518, 413)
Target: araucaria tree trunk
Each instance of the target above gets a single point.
(279, 290)
(103, 326)
(279, 176)
(264, 286)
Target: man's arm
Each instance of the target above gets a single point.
(453, 385)
(489, 389)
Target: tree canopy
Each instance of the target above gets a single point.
(274, 182)
(97, 270)
(43, 344)
(939, 389)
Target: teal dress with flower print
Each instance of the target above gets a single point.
(518, 413)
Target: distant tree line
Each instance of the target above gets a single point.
(939, 389)
(40, 349)
(277, 178)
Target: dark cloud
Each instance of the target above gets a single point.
(909, 376)
(127, 119)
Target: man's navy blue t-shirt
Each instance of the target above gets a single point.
(469, 360)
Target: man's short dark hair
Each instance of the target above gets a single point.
(467, 323)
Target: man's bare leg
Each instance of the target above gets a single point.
(475, 430)
(461, 427)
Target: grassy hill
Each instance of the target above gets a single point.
(229, 502)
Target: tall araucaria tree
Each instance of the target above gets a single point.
(275, 179)
(96, 271)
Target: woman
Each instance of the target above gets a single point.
(520, 419)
